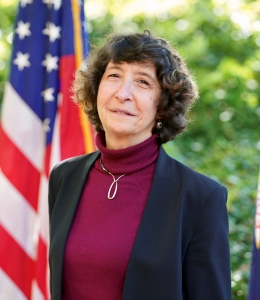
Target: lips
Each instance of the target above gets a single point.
(122, 112)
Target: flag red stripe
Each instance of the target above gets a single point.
(21, 173)
(41, 270)
(71, 135)
(12, 256)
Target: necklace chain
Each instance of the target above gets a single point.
(112, 184)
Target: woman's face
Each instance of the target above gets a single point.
(127, 101)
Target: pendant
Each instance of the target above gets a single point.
(111, 186)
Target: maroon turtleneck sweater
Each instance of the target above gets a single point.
(103, 231)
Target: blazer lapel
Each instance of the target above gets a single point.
(63, 214)
(147, 260)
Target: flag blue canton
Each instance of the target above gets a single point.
(43, 33)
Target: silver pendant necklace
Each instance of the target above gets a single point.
(114, 182)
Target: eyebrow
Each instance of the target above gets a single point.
(136, 73)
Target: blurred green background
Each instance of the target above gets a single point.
(220, 41)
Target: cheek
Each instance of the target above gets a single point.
(101, 89)
(153, 108)
(155, 101)
(100, 97)
(99, 105)
(105, 92)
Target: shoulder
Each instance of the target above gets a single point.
(75, 163)
(199, 200)
(177, 171)
(171, 167)
(68, 174)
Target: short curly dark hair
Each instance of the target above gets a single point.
(179, 90)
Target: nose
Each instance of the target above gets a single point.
(125, 91)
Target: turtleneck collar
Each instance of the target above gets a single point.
(128, 160)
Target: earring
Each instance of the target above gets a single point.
(159, 125)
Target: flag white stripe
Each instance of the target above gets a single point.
(18, 217)
(8, 290)
(23, 127)
(36, 292)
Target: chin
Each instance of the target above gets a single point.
(121, 129)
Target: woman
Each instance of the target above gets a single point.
(129, 222)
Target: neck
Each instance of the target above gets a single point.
(121, 141)
(130, 159)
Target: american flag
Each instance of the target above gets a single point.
(40, 125)
(254, 285)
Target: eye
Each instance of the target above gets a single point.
(113, 75)
(144, 83)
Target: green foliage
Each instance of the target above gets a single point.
(7, 16)
(223, 139)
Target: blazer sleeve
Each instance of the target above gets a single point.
(206, 266)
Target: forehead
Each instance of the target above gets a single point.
(138, 68)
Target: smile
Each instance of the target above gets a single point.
(122, 112)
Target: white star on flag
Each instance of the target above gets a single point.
(52, 31)
(57, 4)
(23, 29)
(46, 125)
(50, 62)
(22, 60)
(48, 94)
(24, 2)
(48, 2)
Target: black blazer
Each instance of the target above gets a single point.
(181, 250)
